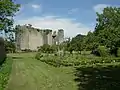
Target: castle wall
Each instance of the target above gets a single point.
(40, 38)
(45, 38)
(32, 38)
(22, 38)
(17, 40)
(60, 36)
(24, 41)
(49, 36)
(36, 39)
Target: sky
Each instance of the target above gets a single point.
(74, 16)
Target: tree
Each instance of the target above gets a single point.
(108, 28)
(7, 10)
(91, 41)
(77, 43)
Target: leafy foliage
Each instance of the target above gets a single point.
(47, 48)
(108, 28)
(10, 46)
(103, 52)
(38, 56)
(91, 41)
(75, 60)
(5, 71)
(76, 44)
(7, 10)
(2, 51)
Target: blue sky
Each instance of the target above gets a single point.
(74, 16)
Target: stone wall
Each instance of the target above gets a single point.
(35, 39)
(49, 36)
(60, 36)
(32, 38)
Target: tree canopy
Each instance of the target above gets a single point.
(7, 10)
(108, 27)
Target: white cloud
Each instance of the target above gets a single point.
(71, 27)
(100, 7)
(74, 10)
(35, 6)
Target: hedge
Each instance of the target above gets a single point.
(2, 51)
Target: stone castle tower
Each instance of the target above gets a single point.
(31, 38)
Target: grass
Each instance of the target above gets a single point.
(5, 71)
(30, 74)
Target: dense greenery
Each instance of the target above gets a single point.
(2, 51)
(47, 48)
(106, 33)
(108, 28)
(7, 10)
(5, 71)
(75, 59)
(10, 46)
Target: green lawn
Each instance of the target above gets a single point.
(30, 74)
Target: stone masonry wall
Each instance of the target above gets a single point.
(32, 38)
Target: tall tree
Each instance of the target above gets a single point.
(77, 43)
(7, 11)
(91, 41)
(108, 27)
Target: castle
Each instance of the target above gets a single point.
(27, 37)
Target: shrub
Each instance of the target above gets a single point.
(38, 56)
(10, 47)
(102, 50)
(2, 51)
(47, 48)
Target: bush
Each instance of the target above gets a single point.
(47, 48)
(75, 60)
(2, 51)
(38, 56)
(102, 51)
(10, 47)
